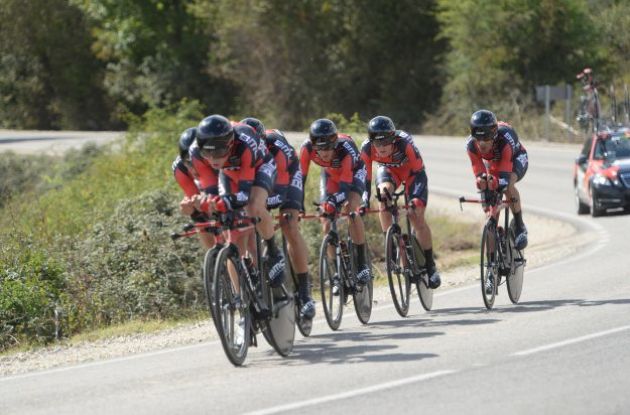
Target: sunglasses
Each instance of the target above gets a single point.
(325, 145)
(215, 153)
(484, 139)
(383, 142)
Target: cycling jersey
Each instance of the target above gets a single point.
(248, 164)
(507, 155)
(343, 174)
(288, 190)
(402, 165)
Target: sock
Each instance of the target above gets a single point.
(361, 254)
(272, 249)
(303, 286)
(428, 253)
(518, 217)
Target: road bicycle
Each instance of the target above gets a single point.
(240, 313)
(338, 275)
(499, 257)
(405, 259)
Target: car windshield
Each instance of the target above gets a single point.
(617, 147)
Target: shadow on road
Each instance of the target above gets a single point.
(532, 306)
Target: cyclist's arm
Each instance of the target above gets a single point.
(367, 160)
(281, 186)
(477, 163)
(208, 177)
(245, 180)
(504, 169)
(305, 160)
(186, 182)
(345, 180)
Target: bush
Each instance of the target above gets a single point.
(30, 289)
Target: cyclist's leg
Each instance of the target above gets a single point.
(519, 169)
(356, 227)
(418, 194)
(385, 181)
(296, 245)
(257, 207)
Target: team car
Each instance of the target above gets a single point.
(601, 175)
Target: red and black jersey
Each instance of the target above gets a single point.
(404, 161)
(284, 154)
(344, 163)
(185, 178)
(247, 154)
(498, 161)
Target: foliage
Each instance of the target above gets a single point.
(48, 75)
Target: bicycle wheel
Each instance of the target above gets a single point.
(489, 269)
(397, 269)
(279, 328)
(362, 296)
(207, 274)
(424, 292)
(517, 268)
(329, 278)
(233, 323)
(304, 325)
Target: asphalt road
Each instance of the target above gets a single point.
(51, 142)
(563, 349)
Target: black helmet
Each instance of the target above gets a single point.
(215, 135)
(256, 124)
(483, 125)
(323, 134)
(185, 141)
(381, 130)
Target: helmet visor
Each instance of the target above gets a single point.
(216, 152)
(484, 133)
(325, 143)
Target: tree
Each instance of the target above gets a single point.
(48, 76)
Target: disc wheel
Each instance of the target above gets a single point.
(517, 268)
(362, 295)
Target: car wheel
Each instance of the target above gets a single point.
(582, 208)
(596, 211)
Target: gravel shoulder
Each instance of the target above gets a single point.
(550, 240)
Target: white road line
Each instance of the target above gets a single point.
(571, 341)
(350, 394)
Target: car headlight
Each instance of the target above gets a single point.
(600, 180)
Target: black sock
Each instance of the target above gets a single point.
(360, 254)
(518, 217)
(428, 253)
(272, 249)
(304, 286)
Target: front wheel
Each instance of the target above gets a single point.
(488, 267)
(331, 284)
(232, 320)
(207, 274)
(397, 268)
(304, 325)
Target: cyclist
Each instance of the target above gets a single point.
(287, 195)
(342, 181)
(230, 152)
(499, 160)
(399, 161)
(187, 178)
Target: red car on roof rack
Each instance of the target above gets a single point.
(601, 175)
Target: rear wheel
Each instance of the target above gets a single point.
(488, 269)
(233, 323)
(331, 285)
(424, 292)
(397, 268)
(304, 325)
(517, 268)
(362, 297)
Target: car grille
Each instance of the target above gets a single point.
(625, 178)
